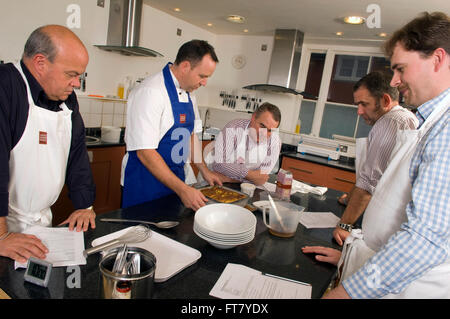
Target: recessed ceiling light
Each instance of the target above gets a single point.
(235, 18)
(177, 9)
(245, 30)
(382, 34)
(339, 33)
(354, 20)
(209, 24)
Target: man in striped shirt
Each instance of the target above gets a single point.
(420, 59)
(378, 105)
(247, 150)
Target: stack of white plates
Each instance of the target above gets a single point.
(225, 225)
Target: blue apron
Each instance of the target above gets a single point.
(139, 184)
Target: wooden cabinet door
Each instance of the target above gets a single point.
(340, 180)
(106, 165)
(321, 175)
(305, 171)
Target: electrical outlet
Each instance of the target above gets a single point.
(101, 3)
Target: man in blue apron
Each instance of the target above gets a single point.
(42, 140)
(161, 119)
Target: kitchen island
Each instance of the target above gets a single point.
(266, 253)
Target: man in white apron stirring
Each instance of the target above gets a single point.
(378, 105)
(404, 248)
(162, 120)
(247, 150)
(42, 142)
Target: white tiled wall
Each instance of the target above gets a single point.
(101, 112)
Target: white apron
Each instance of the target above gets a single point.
(361, 154)
(387, 211)
(37, 165)
(254, 156)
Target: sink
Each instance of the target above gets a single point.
(90, 140)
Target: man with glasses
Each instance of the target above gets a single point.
(42, 140)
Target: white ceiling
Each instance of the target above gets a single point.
(316, 18)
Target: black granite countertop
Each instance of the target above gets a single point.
(267, 253)
(103, 144)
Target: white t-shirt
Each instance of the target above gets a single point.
(149, 113)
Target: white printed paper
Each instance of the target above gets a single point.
(65, 247)
(241, 282)
(319, 220)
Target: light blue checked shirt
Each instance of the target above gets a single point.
(423, 240)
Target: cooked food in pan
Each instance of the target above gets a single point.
(222, 195)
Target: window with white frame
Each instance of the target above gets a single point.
(331, 77)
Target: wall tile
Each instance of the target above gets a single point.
(96, 107)
(95, 120)
(118, 120)
(119, 108)
(108, 108)
(107, 119)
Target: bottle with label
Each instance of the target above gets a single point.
(122, 291)
(298, 126)
(120, 90)
(284, 185)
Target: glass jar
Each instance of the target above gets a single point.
(284, 185)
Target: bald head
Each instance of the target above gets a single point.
(56, 57)
(50, 40)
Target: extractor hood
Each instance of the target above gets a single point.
(284, 64)
(124, 28)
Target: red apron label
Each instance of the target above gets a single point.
(182, 118)
(42, 137)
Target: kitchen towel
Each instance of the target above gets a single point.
(296, 187)
(305, 188)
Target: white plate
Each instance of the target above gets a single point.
(225, 219)
(225, 236)
(222, 245)
(224, 239)
(171, 256)
(261, 204)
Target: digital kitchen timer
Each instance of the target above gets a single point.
(38, 271)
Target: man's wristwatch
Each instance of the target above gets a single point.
(347, 227)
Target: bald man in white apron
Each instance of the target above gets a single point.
(46, 147)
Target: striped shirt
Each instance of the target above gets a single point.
(380, 143)
(423, 241)
(228, 159)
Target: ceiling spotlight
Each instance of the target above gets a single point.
(177, 9)
(339, 33)
(354, 20)
(209, 24)
(382, 34)
(236, 18)
(245, 30)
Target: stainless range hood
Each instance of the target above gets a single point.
(124, 28)
(284, 64)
